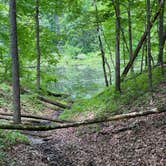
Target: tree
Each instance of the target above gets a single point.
(15, 62)
(149, 43)
(101, 45)
(130, 31)
(37, 46)
(161, 32)
(139, 45)
(117, 46)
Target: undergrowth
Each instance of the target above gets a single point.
(8, 139)
(109, 101)
(29, 102)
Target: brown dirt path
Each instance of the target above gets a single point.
(135, 142)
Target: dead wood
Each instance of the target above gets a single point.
(56, 103)
(37, 117)
(81, 123)
(41, 98)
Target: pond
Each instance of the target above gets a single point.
(79, 80)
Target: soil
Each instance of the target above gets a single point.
(135, 142)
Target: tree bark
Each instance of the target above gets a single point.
(15, 62)
(38, 46)
(37, 117)
(117, 46)
(109, 48)
(148, 12)
(130, 32)
(161, 34)
(41, 98)
(101, 45)
(82, 123)
(142, 58)
(164, 36)
(53, 102)
(139, 45)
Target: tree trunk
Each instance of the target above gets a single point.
(130, 32)
(142, 58)
(139, 45)
(15, 62)
(109, 48)
(164, 35)
(37, 46)
(148, 12)
(101, 46)
(161, 34)
(117, 46)
(124, 54)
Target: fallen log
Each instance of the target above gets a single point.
(41, 98)
(38, 117)
(81, 123)
(24, 120)
(35, 134)
(57, 94)
(139, 45)
(53, 102)
(47, 92)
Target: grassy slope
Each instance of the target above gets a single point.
(109, 101)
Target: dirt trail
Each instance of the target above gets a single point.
(138, 141)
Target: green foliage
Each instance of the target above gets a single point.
(109, 101)
(31, 104)
(8, 139)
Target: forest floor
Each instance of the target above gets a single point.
(138, 141)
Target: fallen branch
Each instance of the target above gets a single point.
(24, 120)
(38, 117)
(48, 93)
(53, 102)
(81, 123)
(57, 94)
(35, 134)
(56, 103)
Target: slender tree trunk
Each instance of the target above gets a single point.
(139, 45)
(142, 58)
(146, 54)
(101, 46)
(124, 39)
(148, 12)
(15, 62)
(110, 71)
(103, 57)
(117, 46)
(109, 48)
(161, 34)
(37, 46)
(164, 36)
(124, 54)
(130, 32)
